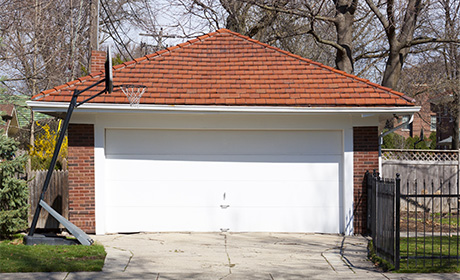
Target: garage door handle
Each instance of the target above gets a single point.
(224, 206)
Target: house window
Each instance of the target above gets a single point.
(433, 123)
(407, 126)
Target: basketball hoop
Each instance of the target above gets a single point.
(133, 93)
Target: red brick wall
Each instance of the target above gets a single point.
(97, 61)
(365, 157)
(81, 176)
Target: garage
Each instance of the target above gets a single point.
(230, 134)
(223, 180)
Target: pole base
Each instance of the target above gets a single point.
(37, 239)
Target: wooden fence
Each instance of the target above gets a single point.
(423, 167)
(57, 196)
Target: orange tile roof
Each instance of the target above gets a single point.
(227, 68)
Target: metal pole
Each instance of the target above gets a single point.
(397, 220)
(57, 149)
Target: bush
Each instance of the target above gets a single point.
(42, 151)
(395, 141)
(13, 191)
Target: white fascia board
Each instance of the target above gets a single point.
(145, 108)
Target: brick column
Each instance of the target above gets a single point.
(81, 176)
(365, 157)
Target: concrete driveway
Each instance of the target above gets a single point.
(238, 255)
(232, 256)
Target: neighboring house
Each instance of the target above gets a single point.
(10, 125)
(425, 119)
(442, 105)
(231, 134)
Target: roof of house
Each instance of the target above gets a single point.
(227, 68)
(6, 114)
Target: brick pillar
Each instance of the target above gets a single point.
(81, 176)
(365, 157)
(97, 61)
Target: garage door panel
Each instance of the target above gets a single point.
(195, 169)
(163, 194)
(300, 219)
(211, 193)
(149, 219)
(293, 194)
(223, 142)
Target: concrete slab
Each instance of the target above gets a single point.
(34, 276)
(232, 256)
(224, 255)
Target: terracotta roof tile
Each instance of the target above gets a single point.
(226, 68)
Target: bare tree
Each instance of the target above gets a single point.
(450, 54)
(435, 71)
(41, 48)
(401, 23)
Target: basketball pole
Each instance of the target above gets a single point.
(81, 236)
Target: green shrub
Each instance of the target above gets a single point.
(395, 141)
(13, 190)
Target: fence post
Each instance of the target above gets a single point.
(374, 207)
(369, 202)
(397, 220)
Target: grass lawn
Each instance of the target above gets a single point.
(429, 246)
(17, 257)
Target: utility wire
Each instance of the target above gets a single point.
(115, 30)
(114, 39)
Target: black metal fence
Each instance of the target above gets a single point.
(382, 216)
(430, 225)
(415, 226)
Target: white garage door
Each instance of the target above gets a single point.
(208, 180)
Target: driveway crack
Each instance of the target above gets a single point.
(322, 255)
(129, 260)
(230, 265)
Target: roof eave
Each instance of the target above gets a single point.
(57, 107)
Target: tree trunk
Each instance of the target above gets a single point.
(344, 18)
(343, 59)
(393, 67)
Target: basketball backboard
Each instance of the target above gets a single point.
(108, 72)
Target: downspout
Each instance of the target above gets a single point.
(383, 134)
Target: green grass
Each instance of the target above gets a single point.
(436, 218)
(16, 257)
(432, 246)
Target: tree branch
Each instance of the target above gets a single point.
(380, 16)
(298, 12)
(373, 54)
(425, 40)
(326, 42)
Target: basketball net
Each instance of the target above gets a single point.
(133, 93)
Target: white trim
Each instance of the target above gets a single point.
(100, 107)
